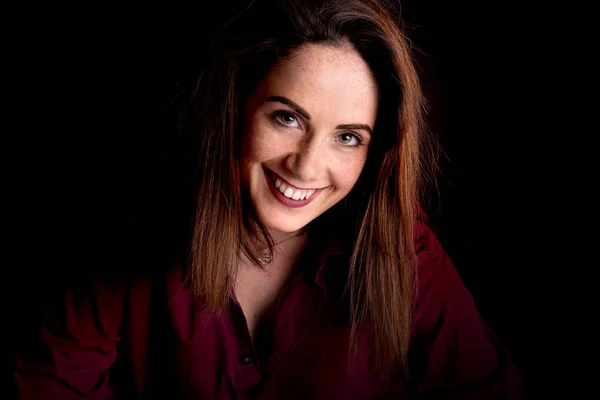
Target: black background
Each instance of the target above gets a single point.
(94, 97)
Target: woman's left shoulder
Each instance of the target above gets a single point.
(425, 239)
(458, 354)
(439, 287)
(432, 260)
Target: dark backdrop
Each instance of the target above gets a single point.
(96, 94)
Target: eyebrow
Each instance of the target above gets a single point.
(291, 104)
(356, 126)
(306, 115)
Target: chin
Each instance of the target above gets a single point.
(281, 224)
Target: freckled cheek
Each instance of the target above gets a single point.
(250, 155)
(259, 142)
(348, 174)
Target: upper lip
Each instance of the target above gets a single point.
(277, 176)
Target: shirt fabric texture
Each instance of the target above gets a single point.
(151, 338)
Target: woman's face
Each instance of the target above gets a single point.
(307, 129)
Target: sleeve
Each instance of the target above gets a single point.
(79, 336)
(455, 354)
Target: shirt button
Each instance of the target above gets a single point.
(246, 360)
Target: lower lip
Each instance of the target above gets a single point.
(284, 200)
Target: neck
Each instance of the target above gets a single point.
(281, 237)
(288, 247)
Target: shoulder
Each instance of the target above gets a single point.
(432, 260)
(454, 352)
(440, 291)
(425, 240)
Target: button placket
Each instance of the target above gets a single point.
(247, 372)
(246, 360)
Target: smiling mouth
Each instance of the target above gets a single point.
(287, 194)
(289, 191)
(274, 177)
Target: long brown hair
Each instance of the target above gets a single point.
(384, 203)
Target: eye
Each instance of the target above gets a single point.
(349, 139)
(286, 119)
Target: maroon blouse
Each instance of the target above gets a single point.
(149, 338)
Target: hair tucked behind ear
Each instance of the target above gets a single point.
(383, 206)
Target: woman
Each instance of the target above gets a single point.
(310, 274)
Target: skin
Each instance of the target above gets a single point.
(334, 86)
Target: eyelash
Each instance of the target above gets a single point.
(278, 114)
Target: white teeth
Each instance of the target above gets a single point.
(290, 193)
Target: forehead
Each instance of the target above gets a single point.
(332, 78)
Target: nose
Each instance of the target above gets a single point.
(308, 160)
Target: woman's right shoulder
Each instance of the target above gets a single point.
(81, 327)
